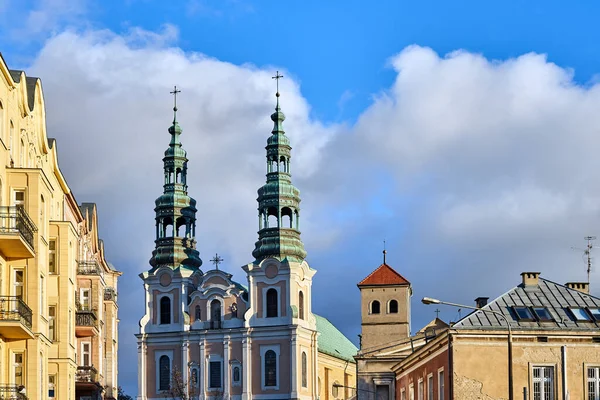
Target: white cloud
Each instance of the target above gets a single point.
(475, 170)
(46, 16)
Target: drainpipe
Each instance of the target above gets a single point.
(564, 372)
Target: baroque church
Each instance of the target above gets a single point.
(220, 339)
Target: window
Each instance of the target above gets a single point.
(51, 386)
(542, 314)
(304, 370)
(41, 294)
(236, 375)
(543, 383)
(411, 392)
(215, 310)
(430, 387)
(301, 305)
(375, 307)
(19, 283)
(165, 310)
(421, 393)
(523, 313)
(402, 394)
(52, 323)
(272, 303)
(52, 256)
(22, 154)
(194, 377)
(85, 354)
(335, 389)
(198, 313)
(593, 383)
(393, 307)
(595, 313)
(19, 199)
(441, 392)
(579, 314)
(85, 299)
(18, 368)
(270, 368)
(164, 366)
(214, 371)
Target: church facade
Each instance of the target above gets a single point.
(206, 336)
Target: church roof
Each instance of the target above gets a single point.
(434, 324)
(384, 275)
(333, 342)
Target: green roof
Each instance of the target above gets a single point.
(333, 342)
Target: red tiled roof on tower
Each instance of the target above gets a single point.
(384, 275)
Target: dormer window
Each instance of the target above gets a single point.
(523, 314)
(542, 314)
(580, 314)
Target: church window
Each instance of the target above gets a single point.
(165, 310)
(214, 370)
(301, 305)
(198, 313)
(271, 303)
(215, 314)
(375, 307)
(164, 365)
(270, 368)
(393, 307)
(304, 370)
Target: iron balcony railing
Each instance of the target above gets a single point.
(110, 294)
(86, 318)
(88, 268)
(13, 308)
(86, 374)
(14, 220)
(12, 392)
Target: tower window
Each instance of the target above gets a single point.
(375, 307)
(165, 310)
(301, 305)
(270, 368)
(304, 370)
(271, 303)
(287, 218)
(215, 310)
(164, 366)
(198, 313)
(393, 307)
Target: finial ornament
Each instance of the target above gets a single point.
(384, 251)
(174, 93)
(216, 260)
(277, 77)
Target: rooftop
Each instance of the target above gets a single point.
(384, 275)
(333, 342)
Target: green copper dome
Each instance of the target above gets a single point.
(175, 243)
(279, 201)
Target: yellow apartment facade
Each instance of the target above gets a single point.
(43, 234)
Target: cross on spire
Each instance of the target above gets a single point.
(174, 93)
(437, 312)
(216, 260)
(277, 77)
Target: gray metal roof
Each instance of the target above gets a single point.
(555, 297)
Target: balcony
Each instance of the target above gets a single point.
(87, 382)
(15, 319)
(12, 392)
(87, 374)
(110, 294)
(86, 323)
(88, 268)
(16, 233)
(215, 324)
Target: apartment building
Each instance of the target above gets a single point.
(43, 234)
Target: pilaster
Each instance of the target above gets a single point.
(226, 368)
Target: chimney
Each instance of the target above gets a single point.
(481, 302)
(583, 287)
(530, 278)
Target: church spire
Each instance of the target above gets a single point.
(175, 210)
(278, 199)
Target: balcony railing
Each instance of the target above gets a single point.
(14, 220)
(85, 318)
(215, 324)
(12, 392)
(88, 268)
(14, 309)
(87, 374)
(110, 294)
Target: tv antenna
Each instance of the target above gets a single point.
(587, 253)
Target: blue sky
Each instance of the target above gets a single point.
(465, 134)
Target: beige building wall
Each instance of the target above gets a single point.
(333, 372)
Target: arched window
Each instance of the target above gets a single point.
(270, 368)
(215, 314)
(198, 313)
(375, 307)
(164, 373)
(165, 310)
(271, 303)
(236, 374)
(287, 218)
(304, 370)
(301, 305)
(393, 307)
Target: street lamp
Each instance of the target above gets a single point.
(429, 300)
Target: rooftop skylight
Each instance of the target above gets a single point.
(579, 314)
